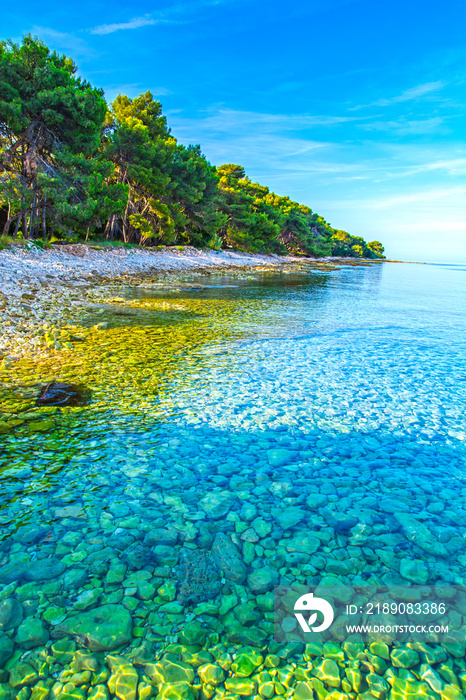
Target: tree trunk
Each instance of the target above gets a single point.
(18, 224)
(125, 224)
(8, 223)
(32, 219)
(44, 227)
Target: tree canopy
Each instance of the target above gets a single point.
(73, 167)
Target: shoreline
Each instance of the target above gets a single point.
(41, 290)
(86, 262)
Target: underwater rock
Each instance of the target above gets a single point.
(123, 682)
(280, 456)
(216, 504)
(30, 533)
(198, 575)
(289, 517)
(211, 674)
(31, 633)
(44, 569)
(6, 648)
(167, 536)
(58, 394)
(11, 614)
(137, 556)
(262, 580)
(419, 533)
(22, 674)
(104, 628)
(414, 570)
(228, 558)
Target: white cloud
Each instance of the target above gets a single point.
(134, 23)
(405, 127)
(453, 197)
(162, 17)
(413, 93)
(231, 121)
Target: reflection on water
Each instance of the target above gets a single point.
(244, 432)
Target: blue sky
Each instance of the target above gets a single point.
(353, 107)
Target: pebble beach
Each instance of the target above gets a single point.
(41, 288)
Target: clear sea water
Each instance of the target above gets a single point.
(266, 406)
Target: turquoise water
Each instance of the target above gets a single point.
(308, 427)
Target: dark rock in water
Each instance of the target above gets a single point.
(11, 614)
(38, 570)
(30, 534)
(101, 629)
(198, 576)
(228, 558)
(167, 536)
(137, 556)
(57, 394)
(12, 572)
(120, 542)
(341, 522)
(6, 648)
(44, 569)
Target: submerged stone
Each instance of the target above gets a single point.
(262, 580)
(404, 658)
(228, 558)
(44, 569)
(123, 682)
(289, 517)
(41, 426)
(175, 691)
(59, 394)
(280, 456)
(6, 648)
(241, 686)
(11, 614)
(31, 633)
(137, 556)
(22, 674)
(104, 628)
(414, 570)
(217, 504)
(193, 634)
(198, 575)
(211, 674)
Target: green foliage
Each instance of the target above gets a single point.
(72, 168)
(344, 245)
(50, 125)
(376, 249)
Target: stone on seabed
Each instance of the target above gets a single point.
(105, 628)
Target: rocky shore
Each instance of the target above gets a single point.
(21, 266)
(41, 290)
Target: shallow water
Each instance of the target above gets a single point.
(314, 418)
